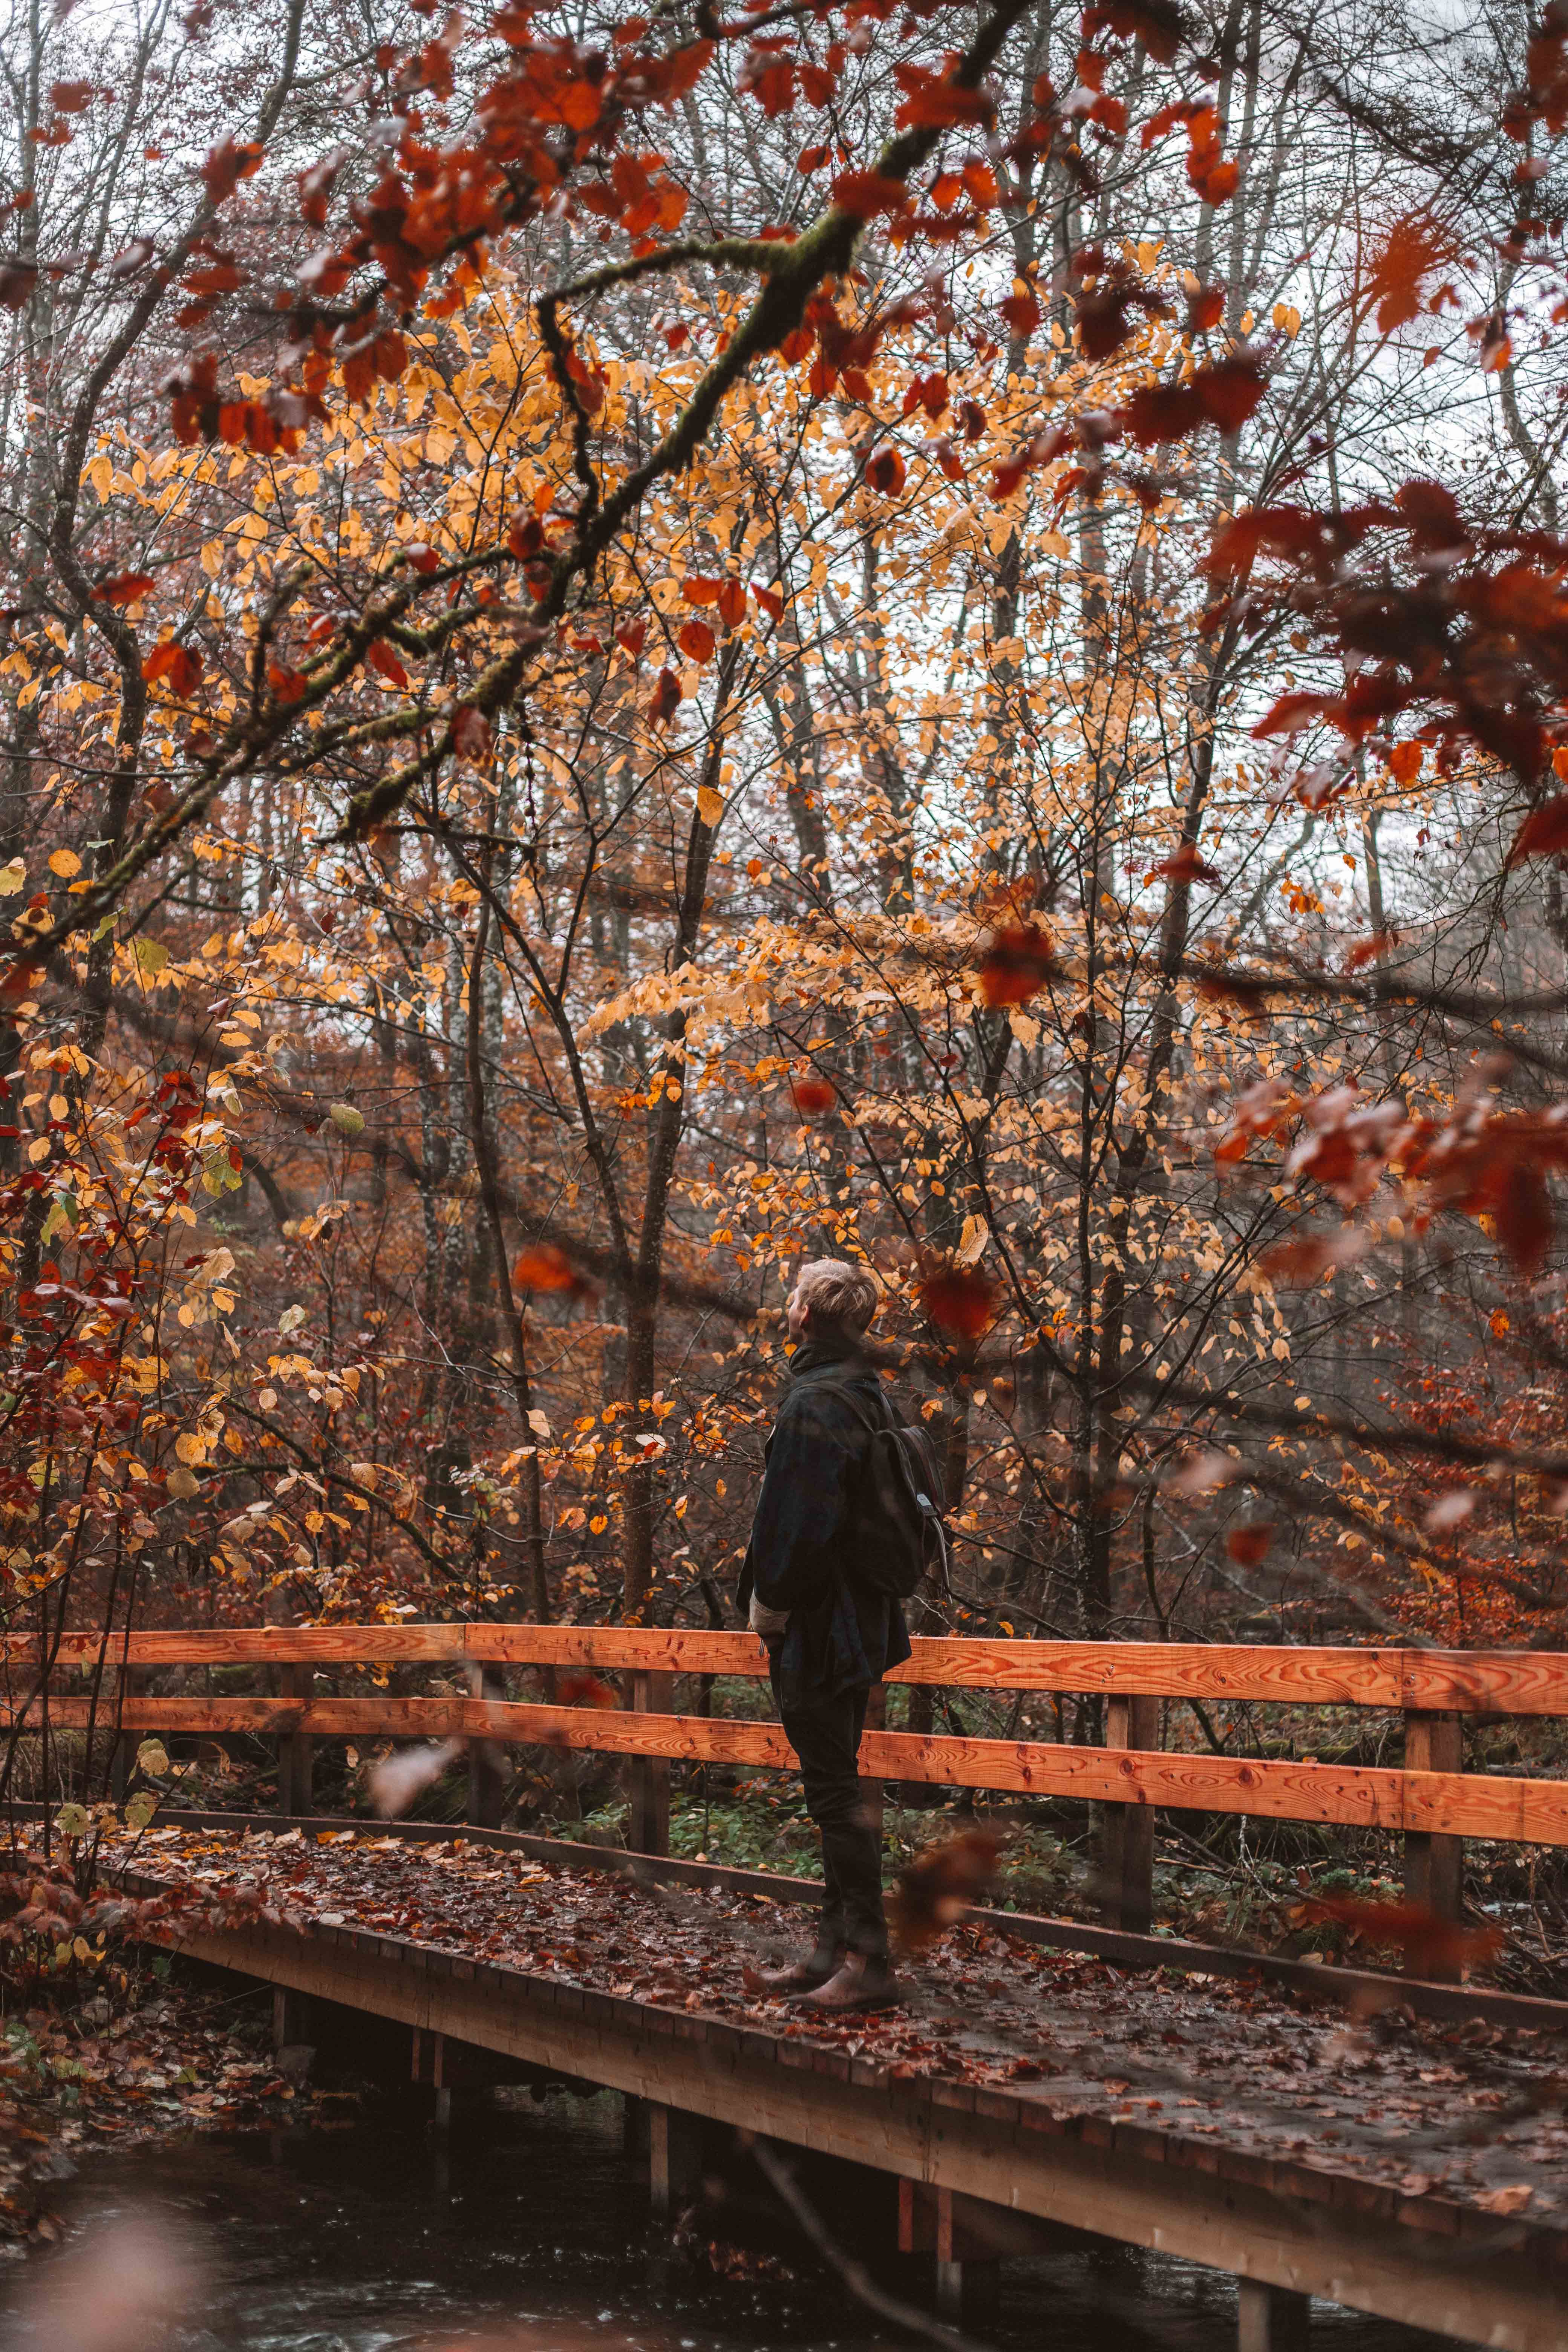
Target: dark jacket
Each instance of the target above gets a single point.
(842, 1634)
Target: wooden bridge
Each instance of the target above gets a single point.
(1471, 2242)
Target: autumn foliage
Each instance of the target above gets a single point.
(691, 644)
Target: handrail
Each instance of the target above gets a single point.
(1452, 1804)
(1430, 1799)
(1469, 1682)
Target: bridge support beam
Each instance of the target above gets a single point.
(674, 2157)
(1270, 2318)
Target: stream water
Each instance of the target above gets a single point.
(525, 2229)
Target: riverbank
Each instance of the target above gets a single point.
(113, 2070)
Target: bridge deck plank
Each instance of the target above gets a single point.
(1249, 2183)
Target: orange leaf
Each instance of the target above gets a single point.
(699, 589)
(541, 1266)
(1413, 246)
(584, 1690)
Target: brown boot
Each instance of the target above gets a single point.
(797, 1975)
(860, 1982)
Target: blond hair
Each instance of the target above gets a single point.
(837, 1294)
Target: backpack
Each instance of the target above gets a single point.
(899, 1533)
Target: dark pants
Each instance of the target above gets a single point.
(825, 1735)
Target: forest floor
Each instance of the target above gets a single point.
(112, 2068)
(1471, 2112)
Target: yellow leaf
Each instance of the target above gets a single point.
(710, 805)
(12, 878)
(191, 1446)
(65, 862)
(101, 474)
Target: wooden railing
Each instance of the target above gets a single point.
(1430, 1799)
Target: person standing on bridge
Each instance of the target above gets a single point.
(831, 1633)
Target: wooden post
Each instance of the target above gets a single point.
(1127, 1840)
(1270, 2318)
(296, 1760)
(1433, 1864)
(487, 1781)
(648, 1777)
(288, 2019)
(674, 2157)
(967, 2270)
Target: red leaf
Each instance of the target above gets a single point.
(1016, 963)
(865, 194)
(1187, 866)
(126, 588)
(959, 1299)
(1525, 1223)
(732, 603)
(1370, 951)
(70, 97)
(666, 698)
(1022, 313)
(697, 641)
(885, 470)
(380, 656)
(1249, 1546)
(1432, 1946)
(231, 161)
(1543, 834)
(178, 665)
(771, 603)
(1296, 1264)
(812, 1096)
(471, 737)
(1228, 393)
(699, 589)
(631, 638)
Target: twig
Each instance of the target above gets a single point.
(854, 2274)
